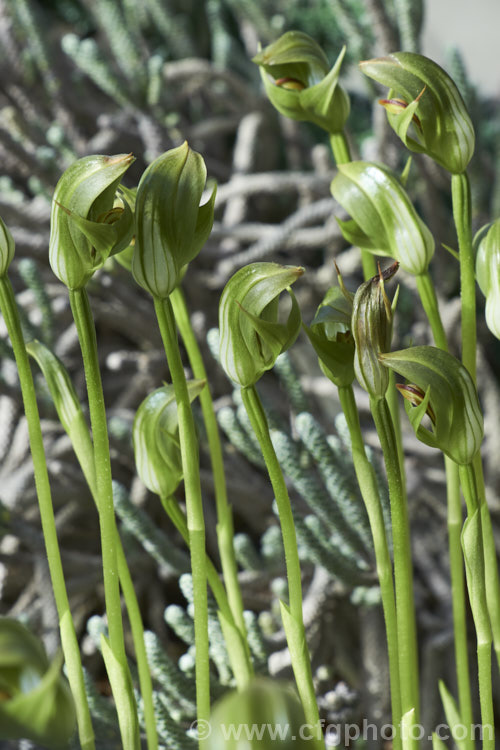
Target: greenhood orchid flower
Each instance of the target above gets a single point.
(89, 220)
(441, 387)
(171, 226)
(156, 439)
(488, 273)
(300, 84)
(251, 336)
(384, 221)
(425, 108)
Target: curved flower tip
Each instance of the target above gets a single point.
(171, 226)
(299, 84)
(425, 108)
(89, 221)
(251, 334)
(441, 387)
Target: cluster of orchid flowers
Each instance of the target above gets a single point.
(157, 230)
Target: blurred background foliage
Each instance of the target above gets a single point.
(114, 76)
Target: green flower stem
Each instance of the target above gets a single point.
(298, 649)
(124, 697)
(238, 654)
(458, 596)
(342, 155)
(340, 148)
(369, 490)
(69, 640)
(225, 530)
(82, 445)
(137, 628)
(477, 595)
(194, 506)
(460, 192)
(428, 297)
(454, 522)
(407, 641)
(490, 558)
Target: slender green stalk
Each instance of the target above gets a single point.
(458, 596)
(460, 192)
(369, 490)
(455, 522)
(194, 506)
(340, 148)
(69, 640)
(407, 641)
(225, 530)
(430, 304)
(86, 333)
(462, 215)
(137, 628)
(121, 682)
(237, 651)
(82, 445)
(477, 594)
(296, 636)
(492, 581)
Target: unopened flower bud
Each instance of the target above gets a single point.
(488, 273)
(7, 248)
(156, 439)
(171, 226)
(89, 221)
(441, 387)
(384, 220)
(372, 317)
(251, 336)
(299, 84)
(425, 108)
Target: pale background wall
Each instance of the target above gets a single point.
(474, 27)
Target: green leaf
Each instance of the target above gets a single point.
(452, 716)
(123, 693)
